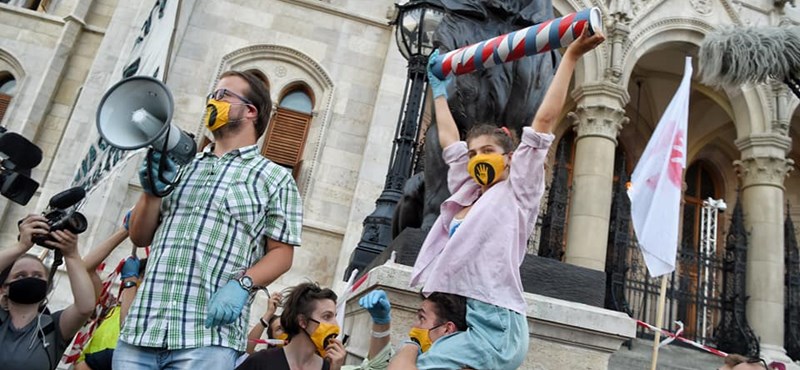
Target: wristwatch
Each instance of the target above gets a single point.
(128, 284)
(246, 282)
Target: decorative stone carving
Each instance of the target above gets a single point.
(780, 110)
(702, 6)
(599, 120)
(618, 33)
(768, 170)
(620, 10)
(280, 71)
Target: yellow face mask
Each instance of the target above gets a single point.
(322, 336)
(486, 169)
(282, 336)
(217, 114)
(421, 337)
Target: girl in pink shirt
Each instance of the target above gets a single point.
(477, 244)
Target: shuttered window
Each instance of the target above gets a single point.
(7, 86)
(5, 100)
(286, 135)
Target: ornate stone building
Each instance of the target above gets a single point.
(337, 81)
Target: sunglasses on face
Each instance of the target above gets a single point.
(222, 93)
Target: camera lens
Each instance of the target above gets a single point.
(76, 223)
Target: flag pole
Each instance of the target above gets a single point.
(662, 298)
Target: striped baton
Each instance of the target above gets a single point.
(540, 38)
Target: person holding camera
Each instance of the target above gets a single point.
(228, 227)
(31, 338)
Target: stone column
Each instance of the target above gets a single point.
(762, 170)
(598, 119)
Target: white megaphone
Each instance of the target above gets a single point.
(136, 112)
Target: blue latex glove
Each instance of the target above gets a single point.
(226, 304)
(126, 220)
(377, 304)
(438, 87)
(169, 172)
(130, 268)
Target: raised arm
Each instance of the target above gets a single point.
(445, 124)
(377, 304)
(258, 330)
(144, 219)
(547, 116)
(82, 290)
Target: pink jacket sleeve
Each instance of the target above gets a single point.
(527, 168)
(455, 155)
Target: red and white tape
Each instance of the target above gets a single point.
(711, 350)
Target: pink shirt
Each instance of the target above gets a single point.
(482, 259)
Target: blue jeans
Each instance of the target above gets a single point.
(130, 357)
(496, 338)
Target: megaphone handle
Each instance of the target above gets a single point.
(151, 180)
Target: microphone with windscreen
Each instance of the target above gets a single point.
(732, 56)
(17, 157)
(19, 151)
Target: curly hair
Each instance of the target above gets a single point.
(301, 301)
(504, 137)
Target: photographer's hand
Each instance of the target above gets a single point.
(66, 242)
(30, 226)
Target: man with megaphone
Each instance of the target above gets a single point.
(226, 227)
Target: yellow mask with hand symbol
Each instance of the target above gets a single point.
(486, 169)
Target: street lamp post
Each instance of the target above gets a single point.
(415, 24)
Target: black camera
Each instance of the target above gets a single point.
(17, 157)
(61, 215)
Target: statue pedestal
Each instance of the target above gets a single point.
(564, 335)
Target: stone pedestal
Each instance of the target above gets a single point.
(598, 119)
(564, 335)
(762, 170)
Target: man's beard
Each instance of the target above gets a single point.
(232, 127)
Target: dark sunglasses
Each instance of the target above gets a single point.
(221, 93)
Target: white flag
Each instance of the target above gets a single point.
(655, 191)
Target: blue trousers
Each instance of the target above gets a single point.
(130, 357)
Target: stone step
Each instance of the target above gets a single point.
(670, 357)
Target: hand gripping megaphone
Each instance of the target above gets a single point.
(137, 112)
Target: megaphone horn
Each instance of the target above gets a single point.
(137, 112)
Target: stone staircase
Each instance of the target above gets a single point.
(670, 357)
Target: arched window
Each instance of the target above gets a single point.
(286, 135)
(8, 86)
(693, 279)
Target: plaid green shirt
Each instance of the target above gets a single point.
(213, 227)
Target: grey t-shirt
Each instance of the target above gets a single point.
(23, 349)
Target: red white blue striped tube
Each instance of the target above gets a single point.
(543, 37)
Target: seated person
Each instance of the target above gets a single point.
(439, 317)
(309, 319)
(269, 322)
(30, 338)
